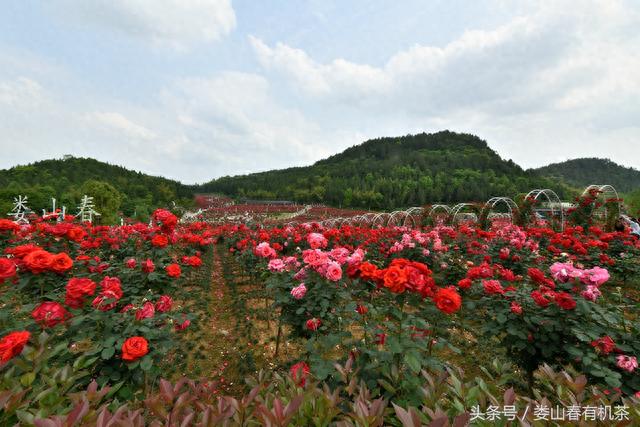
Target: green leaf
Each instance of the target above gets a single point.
(107, 353)
(146, 363)
(413, 362)
(27, 379)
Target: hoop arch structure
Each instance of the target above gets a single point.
(458, 211)
(489, 206)
(440, 210)
(607, 192)
(553, 201)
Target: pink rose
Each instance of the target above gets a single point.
(316, 240)
(334, 272)
(628, 363)
(595, 276)
(276, 265)
(299, 291)
(591, 293)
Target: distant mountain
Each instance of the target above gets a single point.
(64, 179)
(586, 171)
(388, 173)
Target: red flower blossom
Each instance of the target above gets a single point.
(12, 344)
(313, 324)
(299, 372)
(134, 348)
(565, 301)
(50, 313)
(447, 300)
(7, 269)
(173, 270)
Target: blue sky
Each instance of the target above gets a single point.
(196, 89)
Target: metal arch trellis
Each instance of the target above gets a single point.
(395, 216)
(368, 218)
(554, 204)
(440, 207)
(380, 219)
(456, 211)
(608, 191)
(487, 209)
(412, 215)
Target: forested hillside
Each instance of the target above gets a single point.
(388, 173)
(587, 171)
(116, 189)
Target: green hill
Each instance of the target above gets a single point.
(388, 173)
(69, 178)
(586, 171)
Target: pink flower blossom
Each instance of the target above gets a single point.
(317, 241)
(334, 272)
(595, 276)
(628, 363)
(265, 251)
(276, 265)
(563, 272)
(591, 293)
(299, 291)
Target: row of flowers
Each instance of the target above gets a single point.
(393, 295)
(107, 292)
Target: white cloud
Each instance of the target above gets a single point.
(121, 124)
(21, 92)
(174, 23)
(568, 67)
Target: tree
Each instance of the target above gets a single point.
(105, 197)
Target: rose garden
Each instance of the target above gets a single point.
(429, 317)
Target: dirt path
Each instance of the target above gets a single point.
(235, 332)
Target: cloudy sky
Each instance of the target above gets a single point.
(197, 89)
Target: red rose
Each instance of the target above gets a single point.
(38, 261)
(368, 271)
(447, 300)
(76, 234)
(313, 324)
(147, 311)
(538, 277)
(465, 283)
(184, 325)
(22, 250)
(131, 263)
(50, 313)
(8, 225)
(395, 279)
(77, 289)
(492, 287)
(516, 308)
(61, 263)
(134, 348)
(113, 285)
(565, 301)
(166, 218)
(160, 240)
(7, 269)
(164, 304)
(540, 298)
(299, 373)
(173, 270)
(604, 345)
(12, 344)
(148, 266)
(362, 309)
(193, 261)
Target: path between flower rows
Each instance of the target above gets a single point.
(234, 334)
